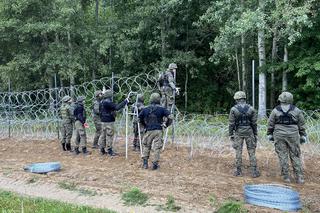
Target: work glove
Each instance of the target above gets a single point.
(177, 91)
(164, 125)
(86, 125)
(270, 138)
(303, 139)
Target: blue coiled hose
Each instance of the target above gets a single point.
(42, 168)
(272, 196)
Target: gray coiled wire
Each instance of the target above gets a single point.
(272, 196)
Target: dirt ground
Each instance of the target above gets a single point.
(191, 182)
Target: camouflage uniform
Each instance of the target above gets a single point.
(243, 127)
(286, 127)
(66, 114)
(138, 107)
(96, 118)
(167, 87)
(80, 131)
(154, 118)
(107, 111)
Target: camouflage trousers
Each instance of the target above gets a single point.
(251, 147)
(155, 137)
(107, 133)
(66, 132)
(167, 98)
(80, 134)
(98, 126)
(289, 147)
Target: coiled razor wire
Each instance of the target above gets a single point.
(34, 115)
(273, 196)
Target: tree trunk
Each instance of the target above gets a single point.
(273, 59)
(163, 39)
(238, 71)
(72, 81)
(243, 65)
(284, 74)
(186, 90)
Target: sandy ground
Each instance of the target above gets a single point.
(190, 181)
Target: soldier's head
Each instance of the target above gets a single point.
(98, 94)
(67, 99)
(240, 96)
(81, 99)
(155, 98)
(140, 98)
(108, 93)
(172, 67)
(286, 98)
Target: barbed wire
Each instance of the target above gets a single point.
(33, 115)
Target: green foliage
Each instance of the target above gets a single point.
(10, 202)
(72, 186)
(170, 205)
(232, 207)
(134, 197)
(69, 186)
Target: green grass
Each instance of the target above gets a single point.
(232, 207)
(72, 186)
(134, 197)
(170, 205)
(11, 203)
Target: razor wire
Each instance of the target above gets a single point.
(33, 115)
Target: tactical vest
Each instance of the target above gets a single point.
(286, 118)
(151, 118)
(164, 80)
(65, 112)
(243, 119)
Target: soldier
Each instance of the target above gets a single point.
(96, 118)
(80, 125)
(107, 115)
(243, 127)
(66, 114)
(167, 86)
(154, 118)
(286, 127)
(137, 107)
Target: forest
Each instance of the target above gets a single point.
(213, 42)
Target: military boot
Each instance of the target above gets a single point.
(63, 146)
(85, 151)
(300, 180)
(286, 178)
(76, 151)
(237, 172)
(102, 151)
(155, 166)
(68, 147)
(255, 173)
(145, 163)
(111, 152)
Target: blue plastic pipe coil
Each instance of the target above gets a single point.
(272, 196)
(42, 168)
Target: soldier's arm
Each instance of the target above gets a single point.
(301, 124)
(254, 119)
(141, 117)
(167, 117)
(271, 123)
(171, 81)
(232, 122)
(81, 115)
(120, 105)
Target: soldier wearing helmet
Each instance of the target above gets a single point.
(96, 117)
(136, 109)
(107, 110)
(66, 114)
(167, 86)
(286, 128)
(154, 118)
(243, 127)
(80, 124)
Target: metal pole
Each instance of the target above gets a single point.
(253, 83)
(112, 85)
(9, 116)
(56, 103)
(173, 108)
(126, 109)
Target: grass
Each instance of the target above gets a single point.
(170, 205)
(72, 186)
(134, 197)
(232, 207)
(10, 202)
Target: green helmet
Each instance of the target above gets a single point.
(155, 98)
(108, 93)
(81, 99)
(172, 66)
(97, 93)
(286, 97)
(239, 95)
(66, 98)
(140, 97)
